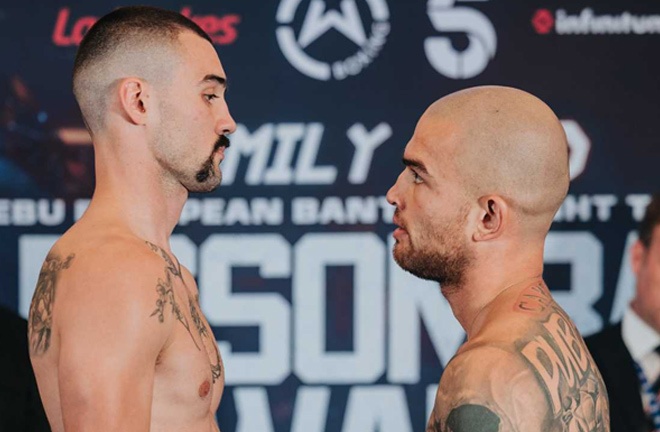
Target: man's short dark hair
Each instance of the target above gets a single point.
(133, 35)
(124, 23)
(650, 221)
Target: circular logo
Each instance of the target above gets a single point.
(321, 22)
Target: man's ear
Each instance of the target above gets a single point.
(133, 99)
(637, 256)
(493, 214)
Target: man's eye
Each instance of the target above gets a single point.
(416, 177)
(210, 97)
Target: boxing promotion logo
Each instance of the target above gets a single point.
(448, 18)
(318, 22)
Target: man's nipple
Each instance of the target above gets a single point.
(204, 389)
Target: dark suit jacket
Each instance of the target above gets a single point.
(20, 406)
(618, 371)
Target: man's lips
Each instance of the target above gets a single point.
(220, 151)
(400, 230)
(399, 233)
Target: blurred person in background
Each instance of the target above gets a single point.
(628, 353)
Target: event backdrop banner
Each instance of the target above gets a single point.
(319, 329)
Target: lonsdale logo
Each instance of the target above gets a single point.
(221, 29)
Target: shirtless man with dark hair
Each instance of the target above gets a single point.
(117, 338)
(485, 172)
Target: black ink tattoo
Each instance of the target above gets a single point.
(573, 386)
(472, 418)
(534, 300)
(165, 289)
(41, 310)
(166, 295)
(175, 269)
(216, 369)
(468, 418)
(197, 319)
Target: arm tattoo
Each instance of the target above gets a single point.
(573, 386)
(41, 310)
(468, 418)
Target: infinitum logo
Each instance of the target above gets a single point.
(587, 22)
(318, 22)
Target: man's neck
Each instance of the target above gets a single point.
(135, 194)
(485, 283)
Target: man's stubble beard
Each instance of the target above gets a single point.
(442, 257)
(206, 178)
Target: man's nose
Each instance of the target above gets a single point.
(225, 124)
(393, 194)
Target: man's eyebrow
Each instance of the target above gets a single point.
(218, 79)
(415, 164)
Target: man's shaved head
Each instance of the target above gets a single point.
(134, 41)
(508, 143)
(482, 162)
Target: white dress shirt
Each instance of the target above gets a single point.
(641, 341)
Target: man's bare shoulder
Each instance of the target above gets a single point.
(96, 281)
(529, 367)
(121, 262)
(485, 387)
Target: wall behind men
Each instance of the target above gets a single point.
(319, 329)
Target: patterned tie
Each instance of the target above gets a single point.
(650, 388)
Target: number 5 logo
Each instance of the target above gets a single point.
(480, 32)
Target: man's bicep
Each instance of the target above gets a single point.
(488, 389)
(107, 359)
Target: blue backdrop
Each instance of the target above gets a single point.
(319, 330)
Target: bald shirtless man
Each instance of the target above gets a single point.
(485, 172)
(117, 338)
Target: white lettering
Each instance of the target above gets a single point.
(377, 408)
(366, 254)
(365, 144)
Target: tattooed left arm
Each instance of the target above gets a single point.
(487, 389)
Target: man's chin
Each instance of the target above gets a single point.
(208, 186)
(402, 257)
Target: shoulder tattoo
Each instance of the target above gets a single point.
(40, 323)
